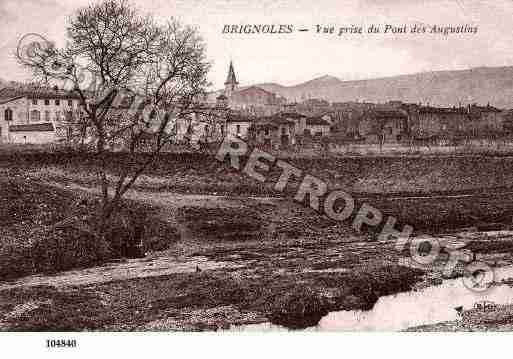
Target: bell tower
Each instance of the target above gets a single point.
(231, 83)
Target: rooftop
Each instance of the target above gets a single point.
(11, 93)
(39, 127)
(239, 117)
(294, 115)
(265, 126)
(387, 114)
(442, 110)
(317, 121)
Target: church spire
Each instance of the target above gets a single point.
(231, 81)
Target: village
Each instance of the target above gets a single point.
(219, 245)
(48, 115)
(148, 187)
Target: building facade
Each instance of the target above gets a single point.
(238, 125)
(317, 127)
(383, 126)
(273, 132)
(36, 115)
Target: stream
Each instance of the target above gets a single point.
(408, 309)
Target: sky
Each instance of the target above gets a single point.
(293, 58)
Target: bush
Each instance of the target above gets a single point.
(299, 308)
(73, 243)
(49, 251)
(68, 248)
(382, 281)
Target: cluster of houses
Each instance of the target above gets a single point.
(39, 115)
(397, 122)
(266, 119)
(44, 115)
(280, 130)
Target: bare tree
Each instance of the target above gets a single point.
(135, 78)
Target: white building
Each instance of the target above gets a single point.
(36, 115)
(238, 125)
(317, 126)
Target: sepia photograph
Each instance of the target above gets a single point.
(239, 167)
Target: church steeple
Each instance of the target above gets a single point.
(231, 81)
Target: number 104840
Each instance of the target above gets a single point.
(61, 343)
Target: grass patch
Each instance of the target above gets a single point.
(491, 246)
(45, 308)
(224, 223)
(45, 229)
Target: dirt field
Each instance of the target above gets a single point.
(240, 260)
(202, 174)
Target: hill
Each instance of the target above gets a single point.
(483, 85)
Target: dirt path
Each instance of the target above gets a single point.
(133, 268)
(176, 200)
(180, 199)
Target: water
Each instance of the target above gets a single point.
(404, 310)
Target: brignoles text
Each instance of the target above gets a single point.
(258, 29)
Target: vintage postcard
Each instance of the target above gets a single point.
(238, 166)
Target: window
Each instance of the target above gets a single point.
(35, 116)
(47, 116)
(34, 101)
(57, 115)
(47, 102)
(69, 116)
(238, 129)
(57, 102)
(283, 131)
(8, 115)
(267, 132)
(70, 103)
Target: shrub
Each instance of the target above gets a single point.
(299, 308)
(68, 248)
(73, 243)
(384, 281)
(48, 251)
